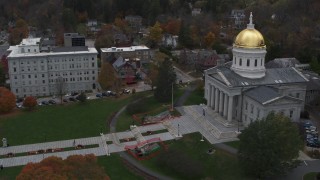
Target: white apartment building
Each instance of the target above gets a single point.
(35, 73)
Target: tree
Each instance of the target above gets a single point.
(152, 76)
(184, 38)
(173, 26)
(82, 97)
(155, 34)
(60, 87)
(2, 75)
(107, 76)
(30, 102)
(19, 32)
(269, 147)
(164, 82)
(74, 167)
(209, 39)
(7, 100)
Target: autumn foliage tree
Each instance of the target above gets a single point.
(155, 34)
(30, 102)
(107, 76)
(7, 100)
(74, 167)
(209, 39)
(19, 32)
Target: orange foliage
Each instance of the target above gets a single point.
(7, 100)
(30, 102)
(74, 167)
(173, 26)
(209, 39)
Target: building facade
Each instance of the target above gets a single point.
(35, 73)
(243, 91)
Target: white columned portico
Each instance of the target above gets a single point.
(225, 108)
(230, 106)
(221, 102)
(216, 98)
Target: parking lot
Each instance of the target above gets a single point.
(311, 135)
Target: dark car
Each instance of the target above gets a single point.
(19, 100)
(105, 94)
(74, 94)
(72, 99)
(44, 102)
(65, 100)
(51, 101)
(99, 95)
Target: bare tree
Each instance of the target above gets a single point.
(60, 87)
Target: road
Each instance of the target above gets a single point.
(183, 76)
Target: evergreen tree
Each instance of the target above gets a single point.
(164, 82)
(269, 147)
(184, 38)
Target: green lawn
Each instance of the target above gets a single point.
(115, 168)
(61, 122)
(234, 144)
(9, 173)
(219, 165)
(310, 176)
(196, 97)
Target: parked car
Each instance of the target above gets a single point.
(74, 94)
(99, 95)
(51, 101)
(105, 94)
(44, 102)
(65, 100)
(72, 99)
(126, 91)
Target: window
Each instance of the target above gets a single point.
(92, 64)
(43, 81)
(255, 63)
(246, 106)
(248, 62)
(22, 76)
(92, 72)
(14, 69)
(29, 76)
(15, 77)
(297, 95)
(291, 113)
(28, 50)
(93, 78)
(17, 90)
(42, 75)
(92, 58)
(240, 62)
(251, 109)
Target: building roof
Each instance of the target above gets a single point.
(30, 41)
(70, 49)
(262, 94)
(124, 49)
(267, 96)
(272, 76)
(282, 62)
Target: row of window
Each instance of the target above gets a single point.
(248, 62)
(69, 60)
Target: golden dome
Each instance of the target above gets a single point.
(249, 38)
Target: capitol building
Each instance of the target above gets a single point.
(243, 91)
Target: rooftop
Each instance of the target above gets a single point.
(262, 94)
(125, 49)
(273, 76)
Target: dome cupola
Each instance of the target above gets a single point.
(249, 52)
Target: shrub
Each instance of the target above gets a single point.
(30, 102)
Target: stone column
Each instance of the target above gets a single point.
(216, 98)
(230, 108)
(212, 96)
(209, 96)
(221, 103)
(225, 108)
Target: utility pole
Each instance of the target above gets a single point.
(171, 96)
